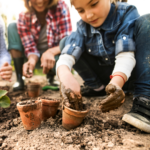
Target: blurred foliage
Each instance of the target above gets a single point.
(38, 71)
(4, 99)
(12, 64)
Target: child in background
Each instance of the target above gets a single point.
(5, 59)
(111, 39)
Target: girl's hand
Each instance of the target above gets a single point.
(29, 66)
(70, 99)
(47, 61)
(114, 100)
(68, 80)
(6, 71)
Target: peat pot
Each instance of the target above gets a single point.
(33, 89)
(30, 113)
(72, 118)
(49, 107)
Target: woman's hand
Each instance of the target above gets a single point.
(114, 100)
(6, 71)
(47, 61)
(29, 66)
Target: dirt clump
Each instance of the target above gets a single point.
(4, 88)
(49, 98)
(70, 99)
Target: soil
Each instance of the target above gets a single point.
(70, 99)
(30, 102)
(4, 88)
(97, 132)
(49, 98)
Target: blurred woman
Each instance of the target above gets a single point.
(37, 34)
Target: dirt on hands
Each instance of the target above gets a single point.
(70, 99)
(114, 99)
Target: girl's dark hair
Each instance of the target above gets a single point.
(112, 1)
(52, 4)
(115, 1)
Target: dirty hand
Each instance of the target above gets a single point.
(47, 61)
(70, 99)
(29, 66)
(114, 100)
(67, 79)
(6, 71)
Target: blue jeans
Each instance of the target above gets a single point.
(142, 55)
(95, 72)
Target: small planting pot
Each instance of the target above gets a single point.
(33, 89)
(49, 107)
(30, 113)
(72, 118)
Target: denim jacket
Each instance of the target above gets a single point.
(115, 35)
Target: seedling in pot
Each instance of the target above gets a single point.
(4, 99)
(75, 101)
(73, 109)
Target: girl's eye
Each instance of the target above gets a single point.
(81, 11)
(94, 4)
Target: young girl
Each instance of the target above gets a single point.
(111, 39)
(40, 30)
(5, 59)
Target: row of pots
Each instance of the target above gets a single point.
(33, 112)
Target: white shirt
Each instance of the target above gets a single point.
(125, 62)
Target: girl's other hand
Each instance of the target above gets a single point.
(6, 71)
(115, 98)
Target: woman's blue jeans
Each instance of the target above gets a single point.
(94, 75)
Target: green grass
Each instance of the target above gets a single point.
(37, 71)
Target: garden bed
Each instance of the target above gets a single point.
(97, 131)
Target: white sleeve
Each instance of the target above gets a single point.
(67, 60)
(125, 62)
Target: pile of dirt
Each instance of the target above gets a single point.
(4, 88)
(98, 130)
(70, 99)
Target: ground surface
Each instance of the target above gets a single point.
(97, 132)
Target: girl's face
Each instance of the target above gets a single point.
(39, 5)
(93, 12)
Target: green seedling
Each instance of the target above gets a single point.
(4, 99)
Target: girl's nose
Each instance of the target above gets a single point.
(89, 15)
